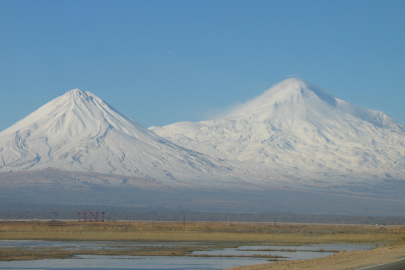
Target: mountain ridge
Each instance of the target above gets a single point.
(294, 135)
(295, 148)
(296, 126)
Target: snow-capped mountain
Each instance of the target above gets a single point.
(295, 135)
(80, 132)
(298, 129)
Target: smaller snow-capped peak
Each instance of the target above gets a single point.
(81, 96)
(79, 131)
(76, 114)
(77, 95)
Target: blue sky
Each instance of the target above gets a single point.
(160, 62)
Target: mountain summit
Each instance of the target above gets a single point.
(295, 99)
(296, 128)
(80, 132)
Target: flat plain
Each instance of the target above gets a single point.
(193, 236)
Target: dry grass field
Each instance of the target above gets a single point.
(208, 234)
(201, 232)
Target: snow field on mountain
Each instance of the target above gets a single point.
(294, 135)
(301, 128)
(80, 132)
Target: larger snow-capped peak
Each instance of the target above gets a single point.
(79, 132)
(295, 98)
(300, 127)
(289, 92)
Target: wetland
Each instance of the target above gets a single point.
(179, 245)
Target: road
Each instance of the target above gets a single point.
(398, 265)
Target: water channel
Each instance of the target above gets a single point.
(166, 262)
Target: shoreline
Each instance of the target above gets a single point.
(340, 261)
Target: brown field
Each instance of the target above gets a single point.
(195, 235)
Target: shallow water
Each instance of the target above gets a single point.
(129, 262)
(84, 244)
(163, 262)
(288, 252)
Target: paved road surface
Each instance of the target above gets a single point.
(398, 265)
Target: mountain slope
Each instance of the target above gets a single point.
(80, 132)
(296, 128)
